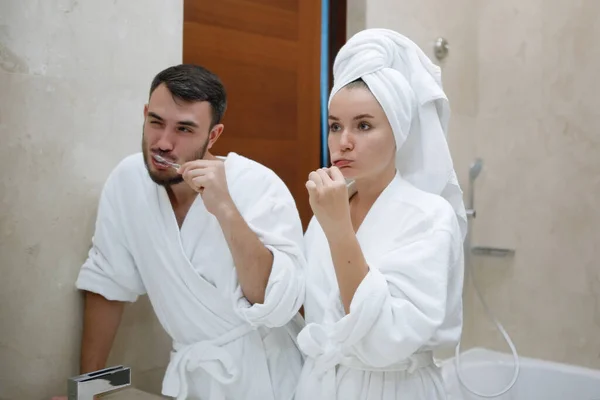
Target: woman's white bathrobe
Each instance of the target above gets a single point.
(410, 302)
(223, 347)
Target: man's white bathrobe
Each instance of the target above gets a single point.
(224, 348)
(409, 304)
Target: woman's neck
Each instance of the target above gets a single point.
(368, 190)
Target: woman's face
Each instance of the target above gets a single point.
(361, 141)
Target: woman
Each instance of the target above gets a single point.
(385, 269)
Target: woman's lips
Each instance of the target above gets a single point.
(342, 163)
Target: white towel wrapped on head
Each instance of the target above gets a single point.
(408, 87)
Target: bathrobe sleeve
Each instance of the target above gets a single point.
(273, 216)
(402, 301)
(109, 269)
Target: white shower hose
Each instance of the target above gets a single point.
(501, 330)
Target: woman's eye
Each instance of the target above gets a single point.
(334, 127)
(363, 126)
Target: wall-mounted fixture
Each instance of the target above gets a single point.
(441, 48)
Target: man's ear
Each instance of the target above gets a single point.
(214, 134)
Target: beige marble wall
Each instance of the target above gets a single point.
(74, 77)
(521, 80)
(537, 131)
(356, 16)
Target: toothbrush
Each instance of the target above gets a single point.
(166, 162)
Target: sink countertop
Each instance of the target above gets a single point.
(130, 394)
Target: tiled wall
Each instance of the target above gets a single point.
(74, 77)
(521, 78)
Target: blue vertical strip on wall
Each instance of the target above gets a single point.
(324, 80)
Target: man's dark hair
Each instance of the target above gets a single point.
(190, 83)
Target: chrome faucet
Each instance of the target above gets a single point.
(86, 386)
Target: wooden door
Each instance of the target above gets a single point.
(267, 52)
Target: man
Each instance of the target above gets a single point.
(215, 242)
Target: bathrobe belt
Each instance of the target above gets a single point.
(211, 357)
(326, 359)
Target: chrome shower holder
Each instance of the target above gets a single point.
(492, 251)
(486, 251)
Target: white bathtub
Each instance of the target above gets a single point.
(489, 372)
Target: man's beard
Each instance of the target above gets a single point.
(171, 180)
